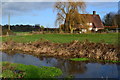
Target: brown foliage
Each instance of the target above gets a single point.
(68, 13)
(86, 49)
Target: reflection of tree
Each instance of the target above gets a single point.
(71, 67)
(68, 67)
(8, 57)
(47, 60)
(79, 68)
(9, 53)
(22, 55)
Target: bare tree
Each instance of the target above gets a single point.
(111, 19)
(68, 13)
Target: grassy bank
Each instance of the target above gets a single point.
(13, 70)
(111, 38)
(87, 59)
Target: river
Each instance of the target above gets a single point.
(77, 69)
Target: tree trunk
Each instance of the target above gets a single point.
(71, 31)
(66, 23)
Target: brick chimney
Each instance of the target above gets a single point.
(94, 12)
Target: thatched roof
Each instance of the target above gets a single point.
(95, 20)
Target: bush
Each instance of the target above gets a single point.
(6, 31)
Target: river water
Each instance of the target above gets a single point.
(76, 69)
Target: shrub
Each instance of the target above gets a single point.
(6, 31)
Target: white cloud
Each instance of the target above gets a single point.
(17, 8)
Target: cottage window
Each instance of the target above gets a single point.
(90, 24)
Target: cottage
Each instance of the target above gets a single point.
(93, 22)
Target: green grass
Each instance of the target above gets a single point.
(28, 71)
(21, 33)
(111, 38)
(86, 59)
(79, 59)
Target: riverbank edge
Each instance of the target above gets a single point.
(88, 60)
(16, 70)
(73, 49)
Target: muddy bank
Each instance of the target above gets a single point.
(73, 49)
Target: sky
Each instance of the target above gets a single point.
(43, 13)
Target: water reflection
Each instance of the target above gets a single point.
(118, 68)
(77, 69)
(71, 67)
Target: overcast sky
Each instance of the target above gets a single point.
(42, 12)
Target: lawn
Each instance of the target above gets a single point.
(111, 38)
(14, 70)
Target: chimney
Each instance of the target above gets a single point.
(94, 12)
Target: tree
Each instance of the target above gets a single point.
(117, 20)
(109, 19)
(112, 19)
(42, 28)
(68, 14)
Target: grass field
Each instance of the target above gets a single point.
(21, 33)
(14, 70)
(111, 38)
